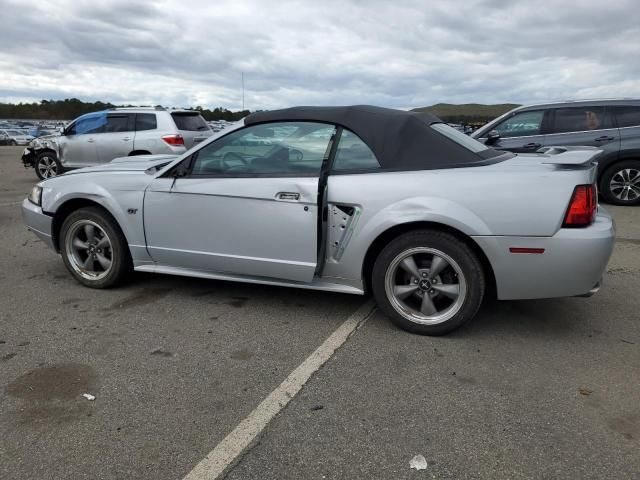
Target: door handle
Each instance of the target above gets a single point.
(532, 146)
(91, 140)
(604, 138)
(288, 196)
(126, 139)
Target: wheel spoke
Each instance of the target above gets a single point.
(79, 244)
(103, 242)
(89, 263)
(403, 291)
(448, 290)
(409, 265)
(90, 232)
(427, 307)
(103, 261)
(437, 265)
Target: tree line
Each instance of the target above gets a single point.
(71, 108)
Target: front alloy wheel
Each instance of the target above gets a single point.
(89, 250)
(46, 166)
(93, 248)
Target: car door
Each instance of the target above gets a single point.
(584, 126)
(117, 137)
(522, 132)
(78, 147)
(246, 205)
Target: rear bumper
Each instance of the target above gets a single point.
(573, 262)
(38, 222)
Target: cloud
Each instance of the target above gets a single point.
(399, 54)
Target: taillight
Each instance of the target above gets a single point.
(582, 208)
(174, 140)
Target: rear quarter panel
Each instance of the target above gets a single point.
(519, 197)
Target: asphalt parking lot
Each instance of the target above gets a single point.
(530, 389)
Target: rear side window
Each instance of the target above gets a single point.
(628, 116)
(191, 122)
(580, 119)
(353, 154)
(460, 138)
(146, 121)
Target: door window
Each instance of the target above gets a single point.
(628, 116)
(353, 154)
(89, 123)
(580, 119)
(521, 124)
(282, 148)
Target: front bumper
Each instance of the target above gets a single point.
(38, 222)
(28, 157)
(573, 262)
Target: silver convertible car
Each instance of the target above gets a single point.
(344, 199)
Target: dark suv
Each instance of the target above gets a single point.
(611, 125)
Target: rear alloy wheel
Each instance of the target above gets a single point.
(94, 249)
(428, 282)
(46, 166)
(620, 184)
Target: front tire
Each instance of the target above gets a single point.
(428, 282)
(620, 183)
(47, 165)
(93, 248)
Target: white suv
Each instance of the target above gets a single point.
(100, 137)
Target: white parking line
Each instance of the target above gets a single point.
(10, 204)
(224, 454)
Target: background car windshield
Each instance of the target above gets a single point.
(460, 138)
(273, 148)
(14, 132)
(521, 124)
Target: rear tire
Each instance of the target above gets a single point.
(47, 165)
(433, 264)
(620, 183)
(94, 249)
(13, 143)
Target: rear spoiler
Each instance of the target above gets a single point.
(569, 155)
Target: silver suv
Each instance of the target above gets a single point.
(612, 125)
(100, 137)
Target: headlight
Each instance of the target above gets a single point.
(35, 196)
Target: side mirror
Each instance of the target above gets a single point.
(492, 137)
(180, 171)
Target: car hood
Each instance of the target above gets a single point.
(139, 163)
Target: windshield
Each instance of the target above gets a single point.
(14, 132)
(460, 138)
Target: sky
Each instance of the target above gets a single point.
(400, 54)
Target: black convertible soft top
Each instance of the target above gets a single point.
(400, 140)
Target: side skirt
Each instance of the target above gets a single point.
(316, 284)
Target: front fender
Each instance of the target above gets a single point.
(124, 205)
